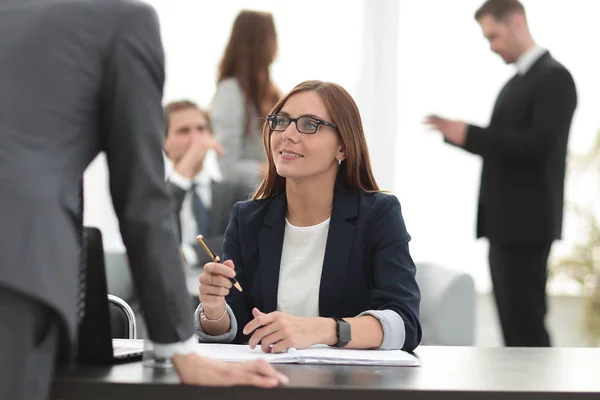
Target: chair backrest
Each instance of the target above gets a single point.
(94, 339)
(122, 319)
(118, 276)
(447, 306)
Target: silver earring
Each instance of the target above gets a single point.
(339, 161)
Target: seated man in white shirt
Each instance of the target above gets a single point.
(203, 201)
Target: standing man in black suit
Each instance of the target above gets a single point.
(203, 201)
(522, 181)
(77, 78)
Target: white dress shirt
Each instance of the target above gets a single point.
(529, 58)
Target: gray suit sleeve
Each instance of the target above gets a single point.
(178, 195)
(132, 125)
(226, 337)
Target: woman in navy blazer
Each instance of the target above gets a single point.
(320, 252)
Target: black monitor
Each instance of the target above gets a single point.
(95, 343)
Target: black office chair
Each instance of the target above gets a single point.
(122, 319)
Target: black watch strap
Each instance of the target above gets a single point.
(344, 332)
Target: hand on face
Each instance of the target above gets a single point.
(277, 332)
(191, 163)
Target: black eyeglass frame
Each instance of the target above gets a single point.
(319, 122)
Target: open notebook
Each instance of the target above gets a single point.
(314, 355)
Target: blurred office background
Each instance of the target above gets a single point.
(400, 59)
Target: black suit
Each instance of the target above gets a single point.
(521, 197)
(78, 78)
(224, 196)
(367, 263)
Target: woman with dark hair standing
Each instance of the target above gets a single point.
(245, 92)
(320, 252)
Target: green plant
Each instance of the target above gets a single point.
(582, 264)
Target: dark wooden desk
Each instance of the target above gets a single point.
(447, 373)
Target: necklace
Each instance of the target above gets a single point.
(300, 223)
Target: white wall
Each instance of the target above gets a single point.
(443, 66)
(447, 68)
(376, 97)
(315, 42)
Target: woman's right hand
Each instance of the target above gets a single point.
(215, 285)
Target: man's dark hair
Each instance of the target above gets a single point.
(499, 9)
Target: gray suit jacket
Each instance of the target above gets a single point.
(224, 196)
(79, 77)
(245, 150)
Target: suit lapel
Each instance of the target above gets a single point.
(217, 209)
(270, 246)
(507, 93)
(337, 252)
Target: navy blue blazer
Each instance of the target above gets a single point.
(367, 265)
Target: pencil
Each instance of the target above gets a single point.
(216, 258)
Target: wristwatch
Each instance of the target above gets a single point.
(344, 332)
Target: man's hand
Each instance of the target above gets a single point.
(191, 163)
(454, 131)
(284, 331)
(196, 370)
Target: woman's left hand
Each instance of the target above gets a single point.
(277, 332)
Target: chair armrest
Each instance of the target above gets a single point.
(126, 309)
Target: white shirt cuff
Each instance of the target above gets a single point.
(189, 253)
(169, 350)
(180, 180)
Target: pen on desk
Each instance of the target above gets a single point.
(216, 258)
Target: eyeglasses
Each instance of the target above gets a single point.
(304, 124)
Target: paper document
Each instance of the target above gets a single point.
(314, 355)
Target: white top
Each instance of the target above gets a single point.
(300, 269)
(529, 58)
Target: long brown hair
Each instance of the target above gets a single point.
(355, 172)
(249, 53)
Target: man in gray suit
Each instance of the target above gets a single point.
(77, 78)
(203, 201)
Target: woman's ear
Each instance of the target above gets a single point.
(341, 155)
